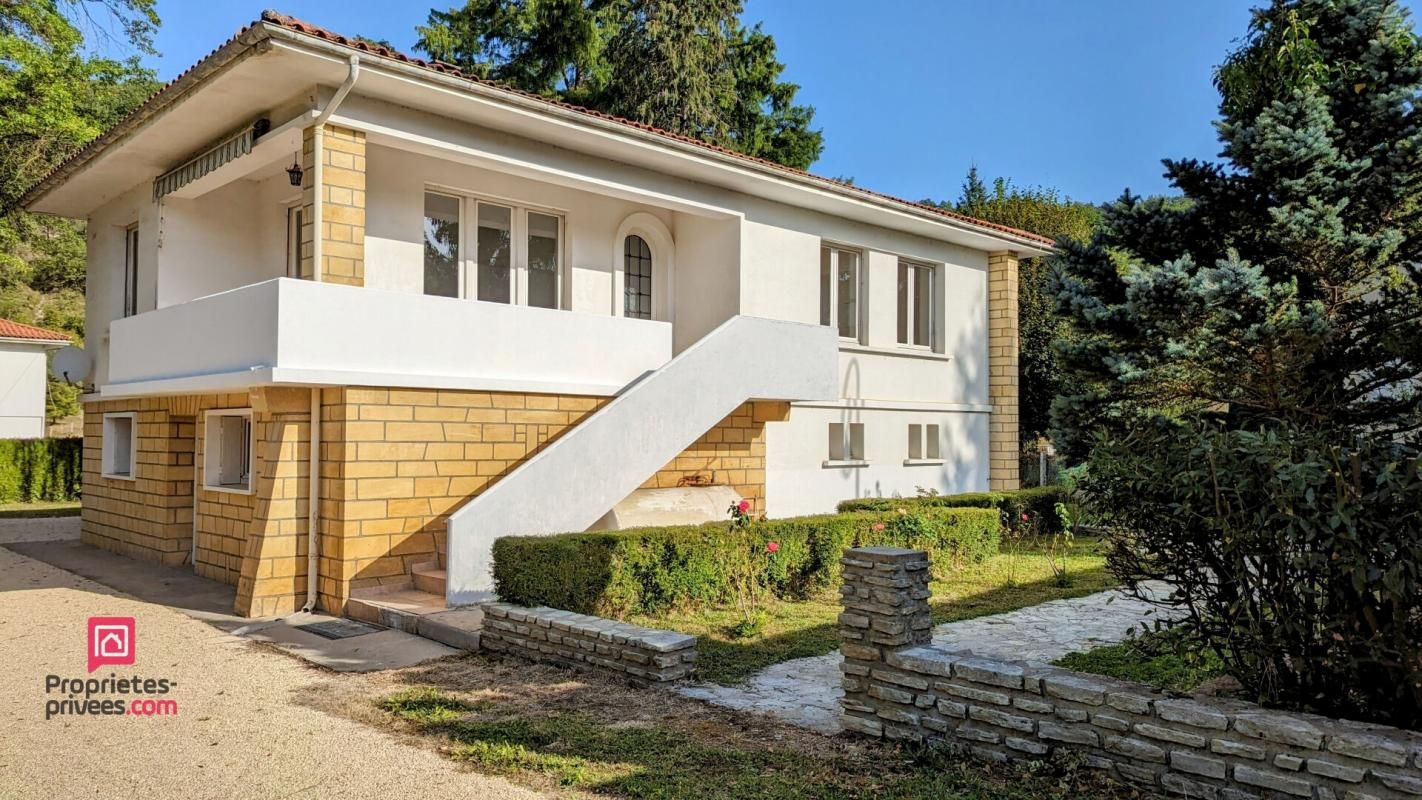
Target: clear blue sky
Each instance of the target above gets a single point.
(1083, 95)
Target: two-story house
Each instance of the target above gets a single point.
(352, 315)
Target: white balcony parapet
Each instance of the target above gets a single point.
(572, 482)
(292, 331)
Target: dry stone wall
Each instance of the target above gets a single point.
(643, 655)
(897, 686)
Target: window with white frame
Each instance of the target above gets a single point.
(923, 443)
(846, 442)
(295, 231)
(492, 251)
(120, 445)
(130, 270)
(227, 450)
(839, 290)
(917, 310)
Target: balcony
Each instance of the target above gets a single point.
(300, 332)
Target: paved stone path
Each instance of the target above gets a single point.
(806, 691)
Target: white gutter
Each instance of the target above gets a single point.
(313, 502)
(317, 127)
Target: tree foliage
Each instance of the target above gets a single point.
(687, 67)
(1044, 212)
(1245, 366)
(55, 96)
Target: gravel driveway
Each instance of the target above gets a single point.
(241, 730)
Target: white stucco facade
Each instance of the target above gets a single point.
(210, 306)
(23, 370)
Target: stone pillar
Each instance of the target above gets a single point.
(885, 598)
(340, 185)
(273, 579)
(1003, 346)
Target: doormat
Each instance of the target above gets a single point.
(339, 628)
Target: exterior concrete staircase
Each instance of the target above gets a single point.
(573, 482)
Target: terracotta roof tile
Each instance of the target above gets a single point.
(15, 330)
(299, 26)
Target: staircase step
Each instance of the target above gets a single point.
(400, 609)
(457, 627)
(429, 579)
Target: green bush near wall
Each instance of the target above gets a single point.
(1039, 503)
(648, 570)
(34, 470)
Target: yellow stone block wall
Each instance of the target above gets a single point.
(149, 517)
(397, 462)
(730, 454)
(342, 196)
(255, 541)
(1004, 449)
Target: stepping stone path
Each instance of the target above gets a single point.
(806, 691)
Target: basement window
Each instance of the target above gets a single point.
(120, 444)
(923, 446)
(846, 445)
(227, 451)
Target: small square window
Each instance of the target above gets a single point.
(923, 445)
(120, 444)
(846, 443)
(227, 450)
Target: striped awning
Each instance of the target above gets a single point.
(230, 149)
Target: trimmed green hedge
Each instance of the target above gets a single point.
(32, 470)
(647, 570)
(1039, 503)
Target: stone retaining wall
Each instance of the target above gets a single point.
(897, 686)
(578, 640)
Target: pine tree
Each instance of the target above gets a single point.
(687, 66)
(1247, 365)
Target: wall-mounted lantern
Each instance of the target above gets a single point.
(294, 172)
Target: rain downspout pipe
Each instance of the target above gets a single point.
(313, 492)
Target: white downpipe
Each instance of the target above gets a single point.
(313, 491)
(316, 158)
(313, 500)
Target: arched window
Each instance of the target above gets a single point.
(637, 278)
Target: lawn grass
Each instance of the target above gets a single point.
(1154, 659)
(663, 755)
(807, 628)
(65, 508)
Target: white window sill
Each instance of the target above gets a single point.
(227, 489)
(845, 464)
(905, 351)
(924, 462)
(115, 476)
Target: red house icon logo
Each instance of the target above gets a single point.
(111, 641)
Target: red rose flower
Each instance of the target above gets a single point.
(772, 547)
(1026, 518)
(743, 506)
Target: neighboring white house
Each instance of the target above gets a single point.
(23, 371)
(494, 313)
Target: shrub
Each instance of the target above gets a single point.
(33, 470)
(1298, 562)
(648, 570)
(1040, 503)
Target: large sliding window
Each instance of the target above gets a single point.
(917, 322)
(441, 245)
(839, 290)
(515, 256)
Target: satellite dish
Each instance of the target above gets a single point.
(71, 365)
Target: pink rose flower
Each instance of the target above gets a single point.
(879, 527)
(1026, 518)
(772, 547)
(743, 506)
